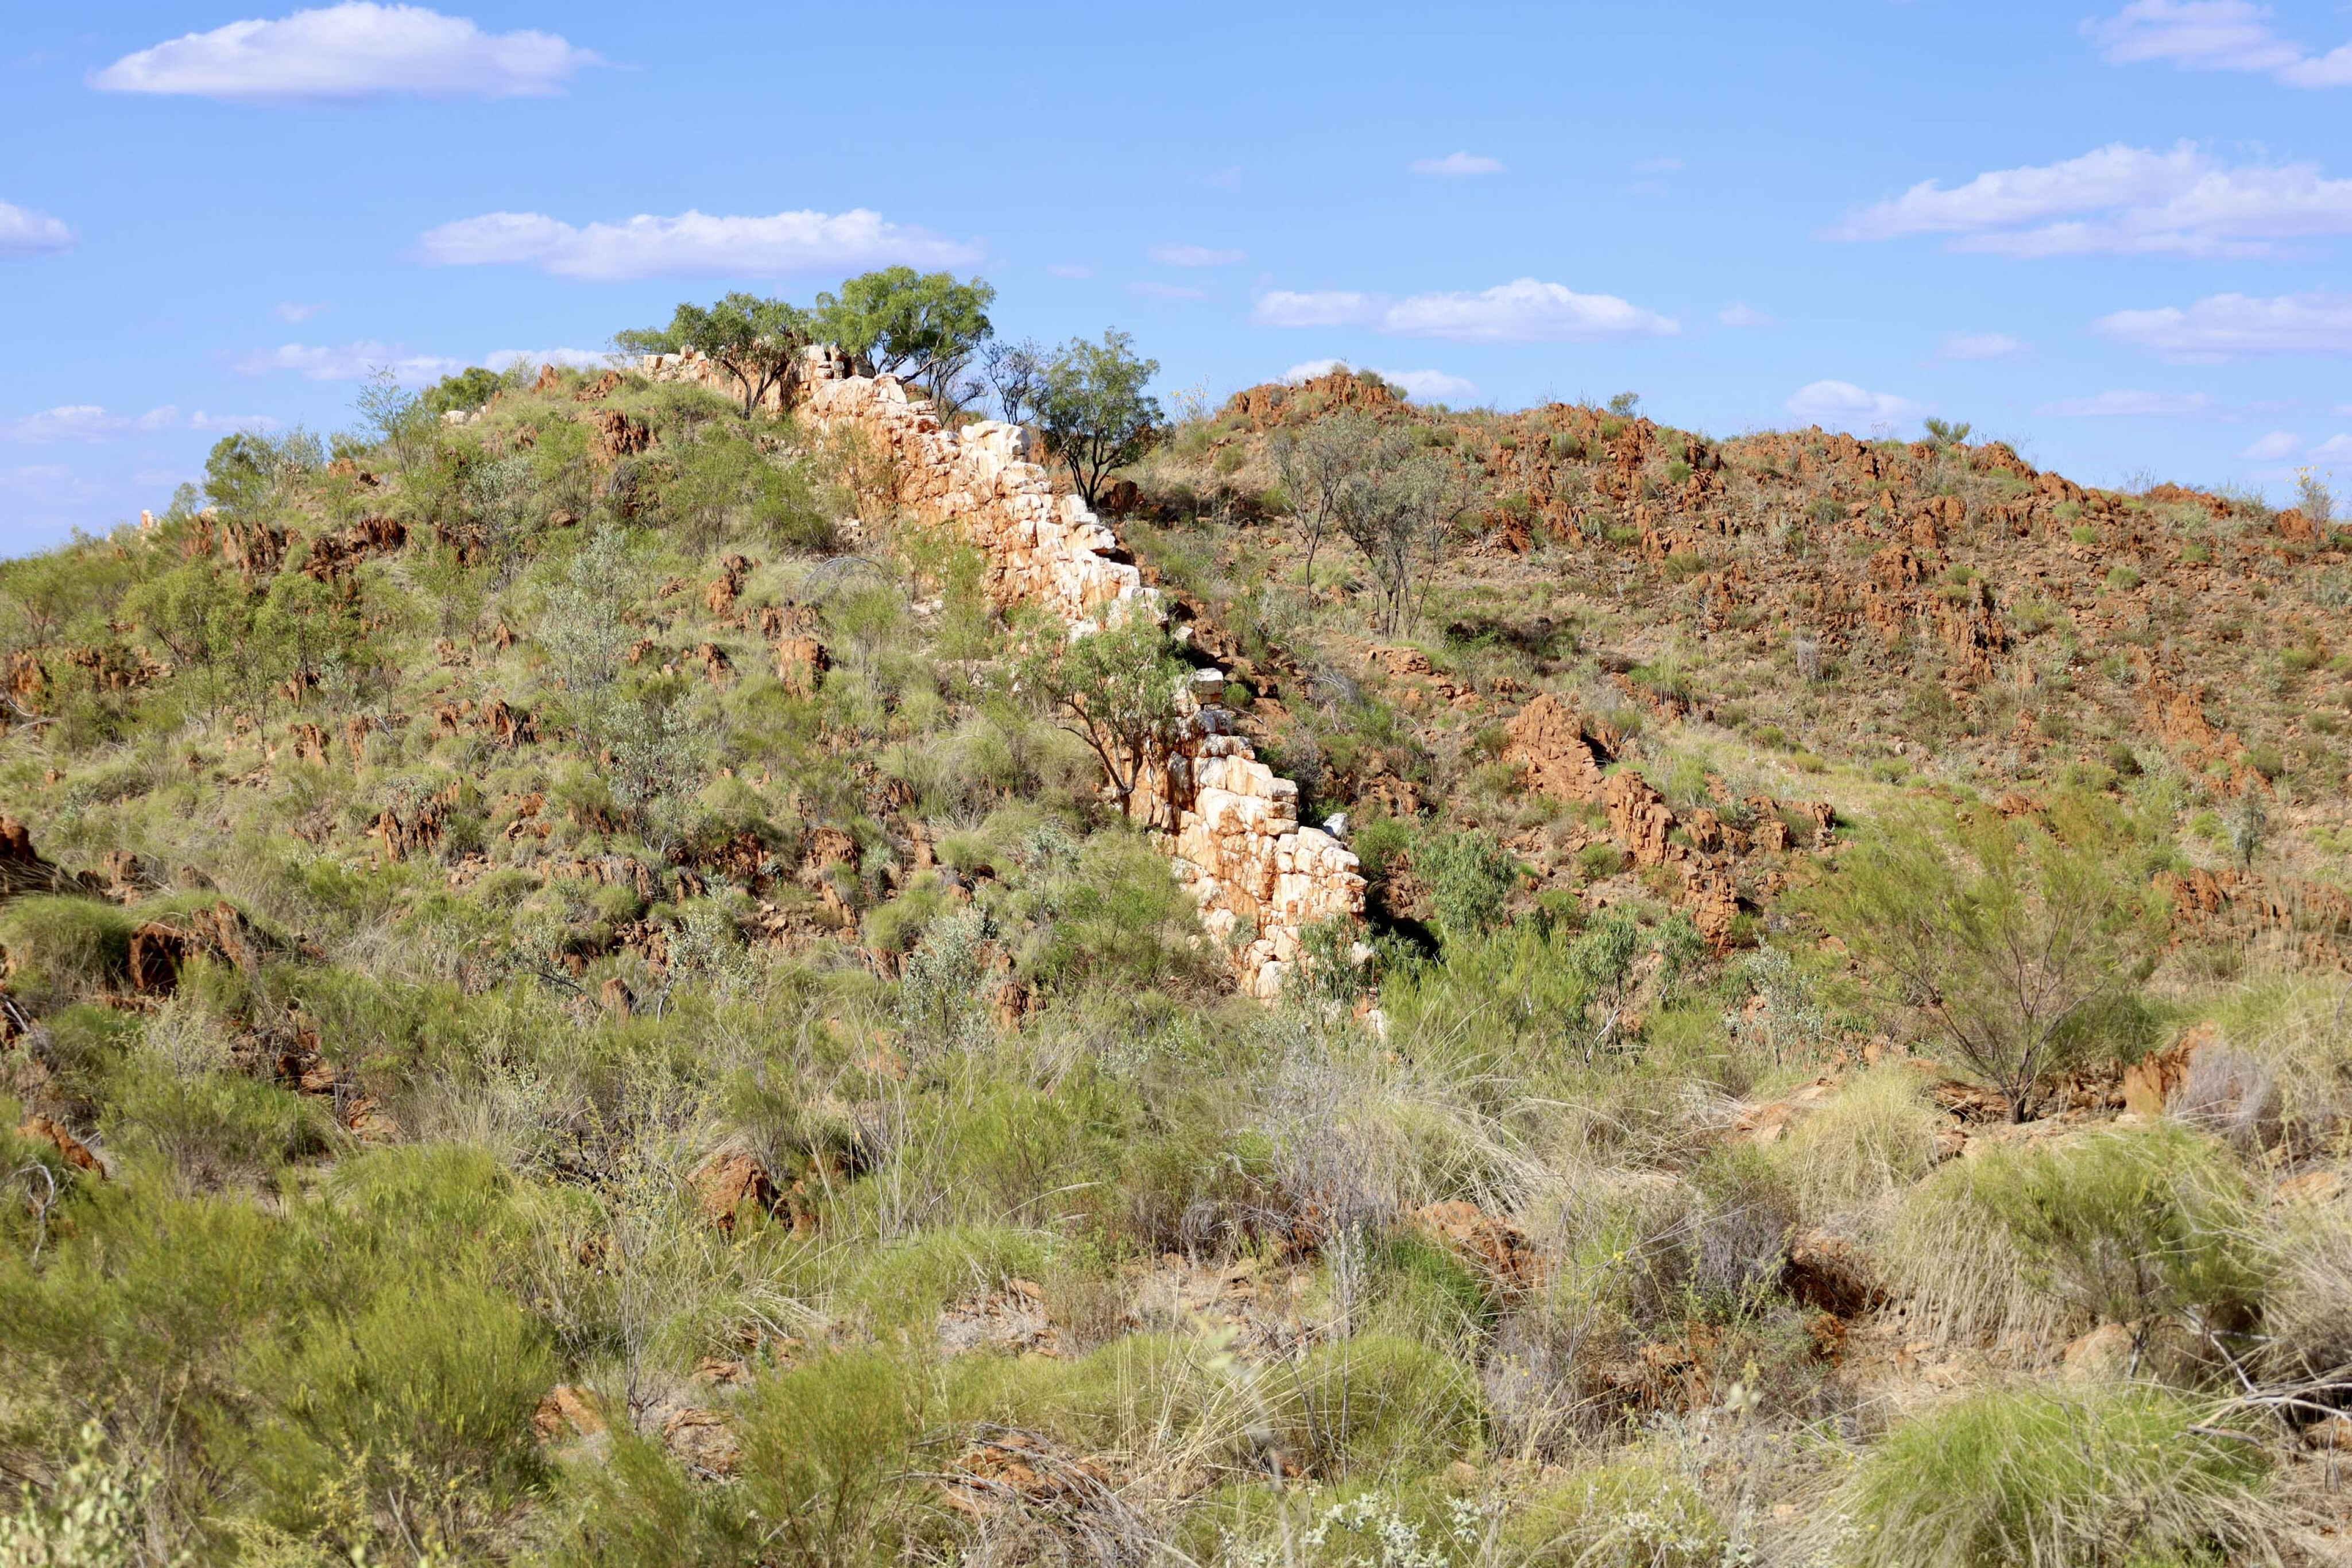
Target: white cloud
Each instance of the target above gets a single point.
(1981, 346)
(1196, 256)
(347, 363)
(2215, 35)
(1744, 315)
(1842, 405)
(2133, 406)
(1152, 291)
(1426, 385)
(2342, 408)
(1069, 270)
(2234, 325)
(200, 420)
(24, 232)
(1457, 166)
(577, 358)
(2278, 443)
(691, 245)
(2333, 447)
(1523, 310)
(298, 314)
(348, 52)
(88, 421)
(69, 422)
(1431, 386)
(1285, 309)
(2118, 199)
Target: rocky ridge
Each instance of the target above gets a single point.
(1228, 822)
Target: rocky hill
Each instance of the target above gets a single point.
(633, 968)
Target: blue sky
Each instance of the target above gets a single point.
(2119, 235)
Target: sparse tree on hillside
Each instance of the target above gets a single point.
(1946, 432)
(249, 473)
(2003, 935)
(401, 422)
(1014, 372)
(1315, 464)
(922, 327)
(1402, 508)
(1093, 410)
(469, 389)
(756, 341)
(1115, 687)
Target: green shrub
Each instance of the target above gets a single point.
(1631, 1512)
(1377, 1404)
(429, 1388)
(1599, 861)
(2116, 1226)
(60, 947)
(1381, 845)
(1999, 934)
(2007, 1475)
(219, 1129)
(1470, 878)
(1877, 1135)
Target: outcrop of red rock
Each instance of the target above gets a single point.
(73, 1150)
(801, 664)
(334, 555)
(617, 435)
(22, 869)
(727, 1181)
(1495, 1245)
(1547, 737)
(160, 949)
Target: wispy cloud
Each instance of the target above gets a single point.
(295, 313)
(24, 232)
(1981, 346)
(1153, 289)
(1283, 308)
(2134, 406)
(1196, 256)
(1069, 270)
(1522, 311)
(1842, 405)
(350, 361)
(2215, 35)
(1458, 165)
(1744, 315)
(2272, 448)
(2117, 200)
(1429, 386)
(691, 245)
(577, 358)
(2332, 449)
(350, 52)
(2234, 326)
(92, 423)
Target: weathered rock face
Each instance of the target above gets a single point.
(1230, 825)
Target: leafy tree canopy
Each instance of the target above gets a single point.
(756, 341)
(1093, 410)
(897, 321)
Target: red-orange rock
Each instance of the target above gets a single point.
(1546, 737)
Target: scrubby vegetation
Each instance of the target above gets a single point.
(578, 992)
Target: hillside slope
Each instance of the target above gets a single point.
(576, 992)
